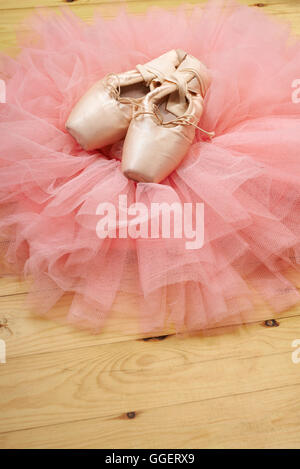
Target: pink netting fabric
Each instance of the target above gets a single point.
(248, 176)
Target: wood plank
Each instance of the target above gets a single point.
(13, 16)
(12, 285)
(109, 380)
(30, 4)
(264, 419)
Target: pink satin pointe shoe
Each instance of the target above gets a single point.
(163, 129)
(102, 116)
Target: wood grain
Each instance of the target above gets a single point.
(102, 381)
(264, 419)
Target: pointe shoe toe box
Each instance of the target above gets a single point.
(151, 152)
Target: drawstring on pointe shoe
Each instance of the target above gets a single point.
(116, 91)
(186, 120)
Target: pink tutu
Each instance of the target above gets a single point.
(247, 176)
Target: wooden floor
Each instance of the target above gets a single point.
(63, 388)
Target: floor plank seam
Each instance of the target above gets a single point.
(135, 339)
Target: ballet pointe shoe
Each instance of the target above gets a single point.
(163, 129)
(102, 116)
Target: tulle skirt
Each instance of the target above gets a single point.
(247, 177)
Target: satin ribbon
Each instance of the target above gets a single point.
(183, 89)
